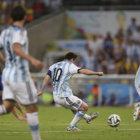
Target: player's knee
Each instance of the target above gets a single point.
(85, 107)
(32, 108)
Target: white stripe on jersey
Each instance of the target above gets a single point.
(16, 68)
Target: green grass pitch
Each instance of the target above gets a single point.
(54, 120)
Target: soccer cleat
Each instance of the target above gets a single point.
(92, 117)
(75, 128)
(136, 111)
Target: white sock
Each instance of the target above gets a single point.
(32, 119)
(2, 109)
(78, 116)
(86, 117)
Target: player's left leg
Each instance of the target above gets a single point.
(33, 122)
(26, 95)
(136, 114)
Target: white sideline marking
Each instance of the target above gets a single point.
(64, 124)
(64, 131)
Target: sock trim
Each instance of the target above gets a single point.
(34, 127)
(80, 114)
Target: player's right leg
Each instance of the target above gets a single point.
(26, 94)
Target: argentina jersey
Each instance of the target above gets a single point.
(16, 68)
(61, 74)
(137, 78)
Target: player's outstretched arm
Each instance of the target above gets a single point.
(19, 51)
(90, 72)
(43, 85)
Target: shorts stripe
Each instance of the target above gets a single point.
(71, 103)
(29, 91)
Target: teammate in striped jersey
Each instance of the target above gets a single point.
(16, 78)
(17, 105)
(136, 115)
(61, 74)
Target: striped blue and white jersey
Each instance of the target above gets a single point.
(61, 74)
(137, 77)
(16, 68)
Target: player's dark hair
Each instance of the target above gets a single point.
(18, 13)
(70, 55)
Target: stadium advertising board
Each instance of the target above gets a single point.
(82, 24)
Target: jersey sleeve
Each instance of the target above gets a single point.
(74, 69)
(19, 37)
(50, 71)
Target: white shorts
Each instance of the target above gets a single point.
(70, 102)
(137, 88)
(23, 92)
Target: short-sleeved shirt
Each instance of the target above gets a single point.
(16, 68)
(61, 74)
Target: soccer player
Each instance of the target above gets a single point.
(16, 78)
(136, 115)
(61, 73)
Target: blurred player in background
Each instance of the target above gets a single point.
(61, 74)
(16, 78)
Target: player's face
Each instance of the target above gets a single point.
(72, 60)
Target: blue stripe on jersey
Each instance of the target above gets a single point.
(16, 68)
(5, 54)
(15, 74)
(23, 69)
(65, 94)
(64, 65)
(12, 60)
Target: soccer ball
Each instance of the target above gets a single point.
(114, 120)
